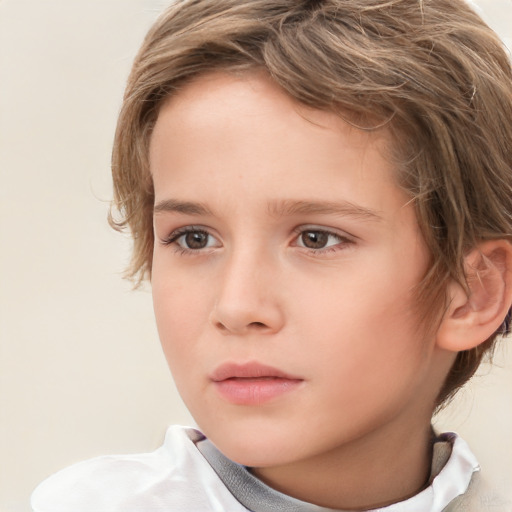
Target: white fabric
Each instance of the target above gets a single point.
(176, 477)
(173, 478)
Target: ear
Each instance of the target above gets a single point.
(471, 319)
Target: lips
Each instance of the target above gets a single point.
(252, 383)
(252, 370)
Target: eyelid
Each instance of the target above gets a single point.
(327, 230)
(343, 237)
(176, 234)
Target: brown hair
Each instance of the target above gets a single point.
(431, 71)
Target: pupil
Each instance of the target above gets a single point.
(314, 239)
(196, 240)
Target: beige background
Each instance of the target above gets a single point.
(81, 370)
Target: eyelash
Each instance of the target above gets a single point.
(172, 240)
(342, 240)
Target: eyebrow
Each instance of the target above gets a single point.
(342, 209)
(185, 207)
(284, 208)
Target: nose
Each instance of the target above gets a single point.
(248, 297)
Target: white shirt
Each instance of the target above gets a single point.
(178, 478)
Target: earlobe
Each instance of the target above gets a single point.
(472, 319)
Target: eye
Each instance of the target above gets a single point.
(317, 239)
(314, 239)
(194, 240)
(191, 239)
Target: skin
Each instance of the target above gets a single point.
(337, 314)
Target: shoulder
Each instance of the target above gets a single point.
(170, 478)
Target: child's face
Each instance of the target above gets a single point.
(283, 277)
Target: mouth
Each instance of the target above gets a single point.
(252, 383)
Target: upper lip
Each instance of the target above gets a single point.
(250, 370)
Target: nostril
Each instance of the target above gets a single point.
(221, 326)
(258, 325)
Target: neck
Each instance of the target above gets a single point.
(382, 468)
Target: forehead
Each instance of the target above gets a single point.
(250, 112)
(231, 88)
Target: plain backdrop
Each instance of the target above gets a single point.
(81, 369)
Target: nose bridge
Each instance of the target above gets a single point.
(247, 297)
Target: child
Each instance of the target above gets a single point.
(319, 192)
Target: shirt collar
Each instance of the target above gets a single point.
(453, 465)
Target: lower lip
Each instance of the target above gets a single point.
(255, 391)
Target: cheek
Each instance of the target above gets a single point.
(178, 319)
(364, 355)
(361, 296)
(180, 311)
(364, 317)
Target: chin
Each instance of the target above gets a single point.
(259, 457)
(253, 447)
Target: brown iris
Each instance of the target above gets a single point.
(314, 239)
(196, 240)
